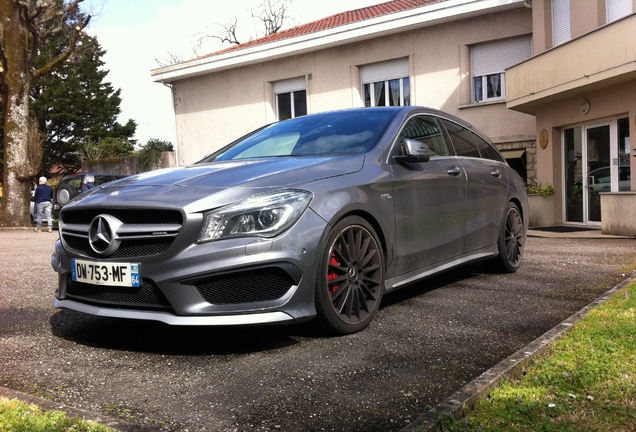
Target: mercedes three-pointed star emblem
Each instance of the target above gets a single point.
(102, 234)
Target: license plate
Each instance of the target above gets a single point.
(101, 273)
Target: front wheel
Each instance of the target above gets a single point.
(350, 280)
(510, 242)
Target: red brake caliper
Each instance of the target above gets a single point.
(331, 275)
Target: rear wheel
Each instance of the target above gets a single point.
(510, 242)
(350, 281)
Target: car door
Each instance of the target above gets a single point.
(429, 200)
(487, 185)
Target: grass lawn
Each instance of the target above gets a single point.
(17, 416)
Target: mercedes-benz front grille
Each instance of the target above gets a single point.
(113, 233)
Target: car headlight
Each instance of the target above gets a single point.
(262, 215)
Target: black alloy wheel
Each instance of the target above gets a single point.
(510, 242)
(514, 236)
(350, 282)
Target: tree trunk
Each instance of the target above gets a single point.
(17, 166)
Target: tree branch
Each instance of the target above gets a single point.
(71, 47)
(228, 35)
(272, 15)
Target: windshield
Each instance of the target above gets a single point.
(343, 132)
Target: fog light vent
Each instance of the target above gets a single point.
(264, 284)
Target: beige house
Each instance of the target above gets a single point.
(450, 55)
(552, 82)
(580, 85)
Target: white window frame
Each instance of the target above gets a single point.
(384, 73)
(483, 96)
(290, 86)
(489, 60)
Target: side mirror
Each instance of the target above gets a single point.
(413, 151)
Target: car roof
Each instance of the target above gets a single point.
(68, 176)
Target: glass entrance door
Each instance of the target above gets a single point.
(574, 173)
(588, 154)
(599, 173)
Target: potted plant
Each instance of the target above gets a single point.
(541, 203)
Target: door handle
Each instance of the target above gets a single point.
(495, 173)
(454, 171)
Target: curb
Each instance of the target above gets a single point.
(466, 398)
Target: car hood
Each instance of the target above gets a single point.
(203, 186)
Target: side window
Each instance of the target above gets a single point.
(487, 150)
(469, 144)
(462, 140)
(101, 180)
(426, 129)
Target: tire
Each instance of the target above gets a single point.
(350, 280)
(510, 242)
(65, 193)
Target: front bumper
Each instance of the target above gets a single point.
(260, 318)
(243, 281)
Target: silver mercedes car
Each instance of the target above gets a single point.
(315, 217)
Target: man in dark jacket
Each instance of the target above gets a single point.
(43, 197)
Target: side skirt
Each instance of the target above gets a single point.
(410, 277)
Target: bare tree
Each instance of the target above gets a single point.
(228, 34)
(170, 58)
(271, 13)
(25, 25)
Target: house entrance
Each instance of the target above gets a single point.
(596, 160)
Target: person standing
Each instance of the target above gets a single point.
(43, 204)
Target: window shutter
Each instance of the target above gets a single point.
(617, 9)
(560, 22)
(290, 85)
(385, 71)
(494, 57)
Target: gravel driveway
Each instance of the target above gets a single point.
(426, 342)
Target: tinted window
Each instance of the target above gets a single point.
(330, 133)
(102, 180)
(427, 130)
(462, 139)
(468, 143)
(487, 150)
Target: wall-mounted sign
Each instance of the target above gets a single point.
(585, 106)
(544, 139)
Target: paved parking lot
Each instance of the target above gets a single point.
(427, 341)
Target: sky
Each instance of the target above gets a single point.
(136, 34)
